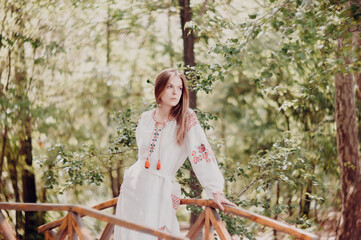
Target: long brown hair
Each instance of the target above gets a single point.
(180, 111)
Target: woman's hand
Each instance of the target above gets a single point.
(219, 199)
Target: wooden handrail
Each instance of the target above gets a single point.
(91, 213)
(56, 223)
(266, 221)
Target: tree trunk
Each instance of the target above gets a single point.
(26, 157)
(189, 61)
(289, 204)
(348, 156)
(277, 202)
(4, 137)
(28, 176)
(12, 162)
(300, 203)
(114, 182)
(115, 179)
(357, 76)
(188, 44)
(119, 175)
(170, 44)
(307, 205)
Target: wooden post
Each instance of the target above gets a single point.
(62, 230)
(82, 232)
(208, 229)
(5, 229)
(49, 235)
(71, 232)
(109, 229)
(219, 225)
(197, 226)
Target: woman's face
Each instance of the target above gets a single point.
(173, 92)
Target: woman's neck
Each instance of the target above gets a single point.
(162, 113)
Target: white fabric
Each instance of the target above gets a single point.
(146, 194)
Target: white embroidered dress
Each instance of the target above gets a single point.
(150, 197)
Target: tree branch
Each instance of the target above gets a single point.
(249, 185)
(9, 71)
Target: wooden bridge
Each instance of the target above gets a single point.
(71, 226)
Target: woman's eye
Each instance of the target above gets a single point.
(169, 86)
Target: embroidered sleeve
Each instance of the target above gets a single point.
(202, 158)
(202, 153)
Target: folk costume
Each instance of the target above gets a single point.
(149, 194)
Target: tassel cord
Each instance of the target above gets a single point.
(156, 130)
(160, 142)
(147, 164)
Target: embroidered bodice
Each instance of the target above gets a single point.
(157, 142)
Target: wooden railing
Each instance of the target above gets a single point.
(71, 224)
(210, 216)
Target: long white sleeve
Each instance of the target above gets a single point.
(202, 158)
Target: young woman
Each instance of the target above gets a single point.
(166, 136)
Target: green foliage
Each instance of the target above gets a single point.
(125, 131)
(264, 84)
(73, 168)
(237, 226)
(67, 169)
(277, 73)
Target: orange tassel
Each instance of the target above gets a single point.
(147, 163)
(158, 165)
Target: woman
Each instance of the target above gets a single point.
(166, 136)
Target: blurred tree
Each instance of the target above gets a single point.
(18, 122)
(189, 62)
(347, 141)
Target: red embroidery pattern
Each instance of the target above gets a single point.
(191, 121)
(203, 152)
(175, 201)
(154, 139)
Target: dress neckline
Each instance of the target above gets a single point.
(155, 120)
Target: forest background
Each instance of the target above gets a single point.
(276, 85)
